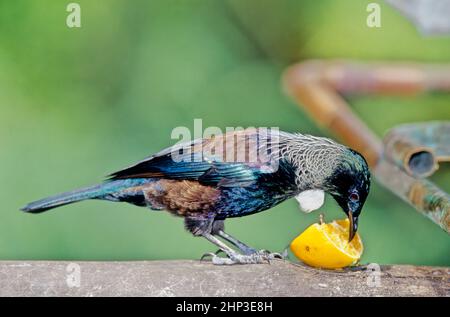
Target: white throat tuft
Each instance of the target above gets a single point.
(310, 200)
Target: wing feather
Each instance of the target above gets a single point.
(236, 158)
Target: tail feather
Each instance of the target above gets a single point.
(63, 199)
(106, 190)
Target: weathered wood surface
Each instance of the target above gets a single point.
(194, 278)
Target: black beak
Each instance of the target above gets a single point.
(353, 225)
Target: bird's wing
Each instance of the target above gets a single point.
(232, 159)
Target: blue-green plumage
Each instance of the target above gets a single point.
(267, 191)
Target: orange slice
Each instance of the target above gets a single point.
(326, 245)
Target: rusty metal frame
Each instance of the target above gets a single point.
(409, 153)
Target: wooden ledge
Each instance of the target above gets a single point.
(194, 278)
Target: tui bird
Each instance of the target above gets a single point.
(235, 174)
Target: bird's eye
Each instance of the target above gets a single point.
(354, 197)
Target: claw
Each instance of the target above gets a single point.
(218, 252)
(271, 255)
(277, 255)
(217, 260)
(212, 255)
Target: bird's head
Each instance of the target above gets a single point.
(323, 165)
(349, 185)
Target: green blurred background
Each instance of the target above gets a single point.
(77, 104)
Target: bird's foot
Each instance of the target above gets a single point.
(271, 255)
(250, 251)
(257, 257)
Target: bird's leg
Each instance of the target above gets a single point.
(218, 229)
(246, 249)
(223, 247)
(233, 257)
(208, 229)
